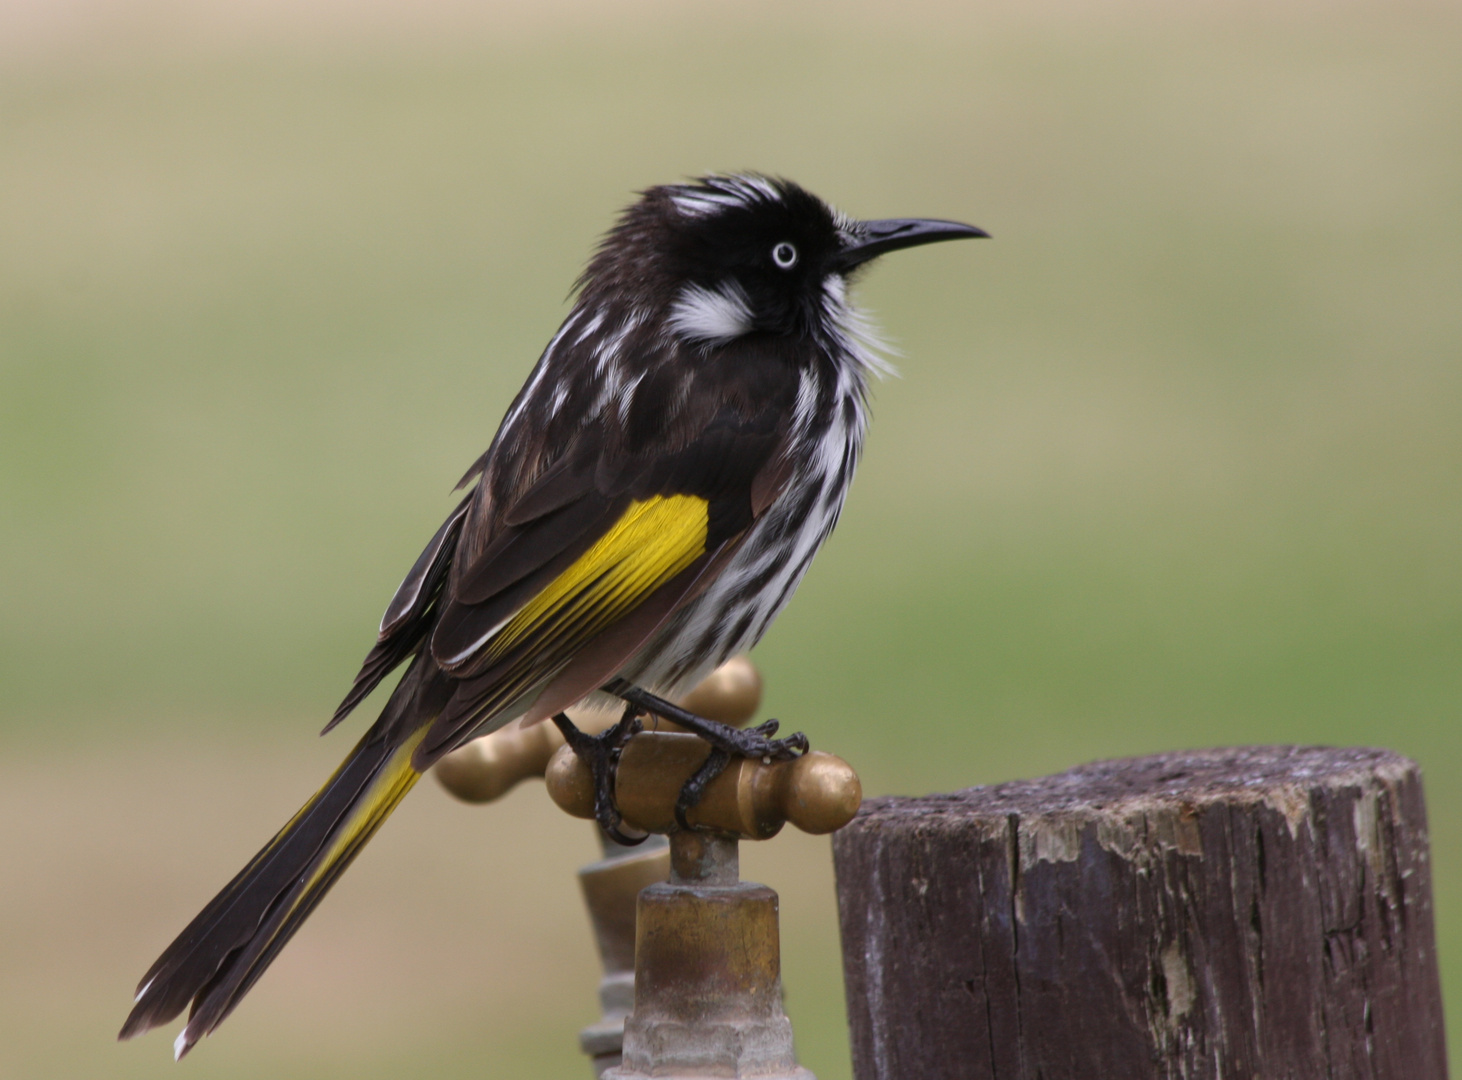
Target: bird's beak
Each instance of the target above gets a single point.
(868, 239)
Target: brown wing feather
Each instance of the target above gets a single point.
(539, 506)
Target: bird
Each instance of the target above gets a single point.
(649, 503)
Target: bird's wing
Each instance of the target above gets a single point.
(586, 564)
(559, 584)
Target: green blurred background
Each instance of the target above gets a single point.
(1174, 461)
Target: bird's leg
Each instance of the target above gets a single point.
(601, 753)
(714, 765)
(726, 741)
(736, 742)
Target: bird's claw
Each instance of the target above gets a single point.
(726, 742)
(794, 745)
(757, 743)
(601, 753)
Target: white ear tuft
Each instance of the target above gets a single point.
(713, 316)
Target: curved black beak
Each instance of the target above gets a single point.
(869, 239)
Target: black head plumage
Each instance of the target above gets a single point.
(765, 244)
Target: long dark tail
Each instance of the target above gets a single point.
(215, 961)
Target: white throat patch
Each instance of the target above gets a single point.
(712, 316)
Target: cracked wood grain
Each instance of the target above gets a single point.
(1254, 912)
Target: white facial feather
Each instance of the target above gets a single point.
(711, 316)
(854, 331)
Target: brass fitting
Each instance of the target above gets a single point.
(817, 792)
(692, 983)
(708, 966)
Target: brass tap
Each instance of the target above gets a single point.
(752, 800)
(486, 769)
(707, 975)
(692, 958)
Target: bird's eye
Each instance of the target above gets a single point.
(784, 255)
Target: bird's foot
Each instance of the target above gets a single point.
(726, 742)
(601, 753)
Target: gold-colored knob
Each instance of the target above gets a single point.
(488, 768)
(817, 792)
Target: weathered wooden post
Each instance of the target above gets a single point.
(1262, 912)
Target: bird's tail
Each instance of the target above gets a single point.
(215, 961)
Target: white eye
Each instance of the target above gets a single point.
(784, 255)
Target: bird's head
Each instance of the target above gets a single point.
(726, 256)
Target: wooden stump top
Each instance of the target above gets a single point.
(1250, 912)
(1280, 776)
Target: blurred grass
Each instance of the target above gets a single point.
(1175, 460)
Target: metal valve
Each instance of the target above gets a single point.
(488, 768)
(751, 800)
(707, 982)
(692, 955)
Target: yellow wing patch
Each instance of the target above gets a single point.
(653, 541)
